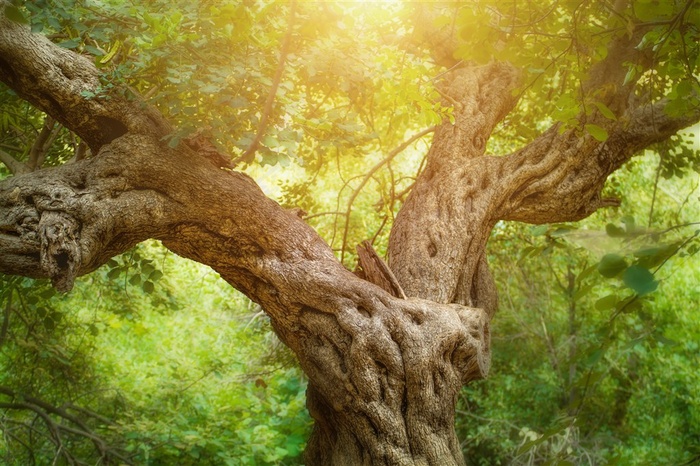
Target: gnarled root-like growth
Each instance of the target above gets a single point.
(384, 382)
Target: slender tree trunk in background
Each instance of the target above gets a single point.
(384, 372)
(573, 346)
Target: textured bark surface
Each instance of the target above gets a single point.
(384, 372)
(385, 369)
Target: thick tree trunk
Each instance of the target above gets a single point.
(384, 372)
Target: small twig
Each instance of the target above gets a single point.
(89, 413)
(380, 229)
(44, 410)
(369, 175)
(202, 377)
(321, 214)
(10, 147)
(248, 155)
(37, 153)
(151, 92)
(656, 186)
(6, 318)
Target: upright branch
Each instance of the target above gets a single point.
(46, 137)
(438, 241)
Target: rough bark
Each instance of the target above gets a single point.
(442, 229)
(384, 372)
(59, 84)
(438, 240)
(388, 369)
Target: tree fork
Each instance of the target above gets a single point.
(387, 369)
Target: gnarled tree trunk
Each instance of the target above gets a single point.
(384, 371)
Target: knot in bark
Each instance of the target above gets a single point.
(60, 254)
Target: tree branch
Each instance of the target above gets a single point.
(249, 154)
(45, 409)
(37, 153)
(439, 236)
(67, 86)
(15, 166)
(396, 151)
(7, 311)
(559, 178)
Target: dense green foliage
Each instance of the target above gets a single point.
(188, 373)
(593, 365)
(596, 343)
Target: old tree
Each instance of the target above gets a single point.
(156, 108)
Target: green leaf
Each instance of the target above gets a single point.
(148, 287)
(605, 111)
(611, 265)
(94, 331)
(562, 231)
(595, 356)
(614, 231)
(597, 132)
(583, 291)
(147, 268)
(114, 273)
(174, 142)
(652, 256)
(42, 312)
(70, 44)
(629, 304)
(606, 302)
(640, 280)
(539, 230)
(566, 108)
(94, 50)
(14, 14)
(585, 273)
(271, 141)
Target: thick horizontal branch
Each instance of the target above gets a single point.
(358, 344)
(47, 135)
(64, 222)
(559, 178)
